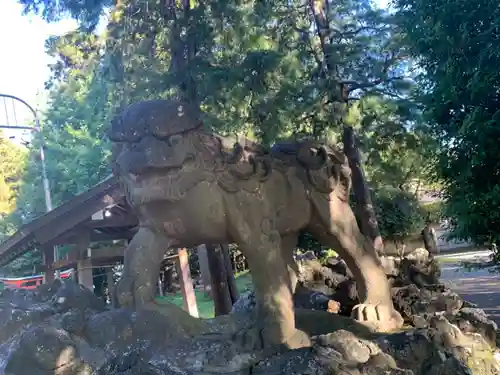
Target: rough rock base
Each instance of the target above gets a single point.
(63, 329)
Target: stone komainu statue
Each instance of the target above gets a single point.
(189, 186)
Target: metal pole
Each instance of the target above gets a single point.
(45, 180)
(46, 185)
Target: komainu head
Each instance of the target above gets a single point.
(151, 136)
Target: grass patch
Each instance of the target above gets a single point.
(449, 260)
(243, 281)
(203, 300)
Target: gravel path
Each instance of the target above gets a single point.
(480, 286)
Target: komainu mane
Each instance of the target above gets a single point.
(191, 187)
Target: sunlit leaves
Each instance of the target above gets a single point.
(457, 44)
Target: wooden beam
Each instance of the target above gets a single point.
(107, 262)
(64, 239)
(69, 220)
(64, 263)
(113, 222)
(61, 219)
(122, 235)
(95, 237)
(99, 256)
(186, 283)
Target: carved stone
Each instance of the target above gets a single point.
(189, 186)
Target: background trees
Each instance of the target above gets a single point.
(421, 98)
(13, 161)
(456, 44)
(11, 169)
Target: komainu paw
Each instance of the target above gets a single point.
(380, 318)
(258, 338)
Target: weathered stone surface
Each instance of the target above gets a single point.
(319, 278)
(439, 318)
(413, 301)
(55, 338)
(310, 299)
(473, 320)
(419, 255)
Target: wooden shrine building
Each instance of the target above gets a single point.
(101, 215)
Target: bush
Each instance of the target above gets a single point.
(433, 212)
(399, 215)
(307, 242)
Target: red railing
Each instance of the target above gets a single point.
(29, 282)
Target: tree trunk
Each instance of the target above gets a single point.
(231, 281)
(168, 279)
(339, 94)
(364, 205)
(218, 277)
(429, 237)
(204, 269)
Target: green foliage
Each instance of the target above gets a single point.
(307, 242)
(456, 44)
(86, 11)
(24, 265)
(433, 212)
(260, 69)
(398, 213)
(12, 162)
(74, 124)
(397, 152)
(251, 74)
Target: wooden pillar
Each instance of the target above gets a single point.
(231, 281)
(85, 276)
(204, 268)
(48, 260)
(55, 251)
(168, 279)
(218, 275)
(111, 282)
(187, 290)
(84, 262)
(160, 286)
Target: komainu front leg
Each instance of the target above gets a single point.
(337, 228)
(136, 288)
(275, 324)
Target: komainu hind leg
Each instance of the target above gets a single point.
(336, 227)
(260, 242)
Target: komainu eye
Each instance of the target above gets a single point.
(174, 139)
